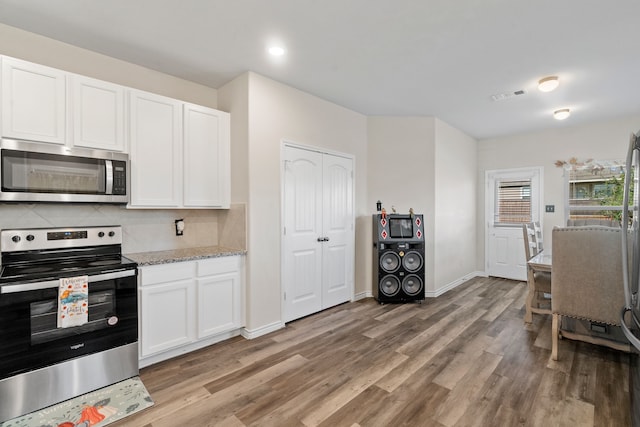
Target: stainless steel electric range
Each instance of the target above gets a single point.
(43, 360)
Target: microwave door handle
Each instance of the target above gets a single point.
(109, 181)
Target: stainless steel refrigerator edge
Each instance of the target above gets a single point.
(631, 274)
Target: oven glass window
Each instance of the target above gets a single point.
(44, 317)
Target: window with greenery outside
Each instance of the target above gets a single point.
(594, 189)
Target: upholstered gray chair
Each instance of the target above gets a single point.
(587, 285)
(539, 282)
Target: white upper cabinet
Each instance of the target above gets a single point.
(155, 150)
(179, 154)
(206, 157)
(98, 113)
(48, 105)
(33, 101)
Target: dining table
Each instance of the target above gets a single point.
(541, 261)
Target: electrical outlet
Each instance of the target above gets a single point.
(179, 227)
(550, 208)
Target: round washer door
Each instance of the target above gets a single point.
(412, 261)
(389, 286)
(389, 262)
(412, 285)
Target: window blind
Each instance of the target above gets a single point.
(513, 202)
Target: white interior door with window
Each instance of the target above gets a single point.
(512, 198)
(318, 231)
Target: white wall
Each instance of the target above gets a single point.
(425, 164)
(42, 50)
(277, 112)
(402, 174)
(454, 239)
(233, 97)
(605, 140)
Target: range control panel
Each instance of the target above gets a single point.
(52, 238)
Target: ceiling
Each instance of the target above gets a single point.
(442, 58)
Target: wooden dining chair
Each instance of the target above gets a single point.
(539, 282)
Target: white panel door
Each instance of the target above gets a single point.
(337, 215)
(507, 253)
(302, 247)
(504, 245)
(318, 241)
(33, 101)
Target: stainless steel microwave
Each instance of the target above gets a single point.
(36, 172)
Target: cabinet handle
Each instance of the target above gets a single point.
(323, 239)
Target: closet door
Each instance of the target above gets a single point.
(318, 255)
(302, 249)
(337, 220)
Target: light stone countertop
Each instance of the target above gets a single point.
(185, 254)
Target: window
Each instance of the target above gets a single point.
(513, 201)
(594, 190)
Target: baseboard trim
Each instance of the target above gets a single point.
(263, 330)
(454, 284)
(362, 295)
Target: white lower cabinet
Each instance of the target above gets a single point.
(168, 318)
(188, 305)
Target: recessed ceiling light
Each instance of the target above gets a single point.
(276, 50)
(548, 84)
(561, 114)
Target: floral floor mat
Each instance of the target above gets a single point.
(95, 409)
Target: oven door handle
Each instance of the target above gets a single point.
(25, 287)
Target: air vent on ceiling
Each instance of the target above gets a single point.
(507, 95)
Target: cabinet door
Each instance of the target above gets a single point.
(167, 317)
(206, 157)
(98, 114)
(156, 150)
(33, 101)
(219, 304)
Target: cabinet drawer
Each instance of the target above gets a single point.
(227, 264)
(171, 272)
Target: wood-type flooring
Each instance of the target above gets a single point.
(465, 358)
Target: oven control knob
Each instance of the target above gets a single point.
(30, 237)
(101, 234)
(15, 239)
(112, 233)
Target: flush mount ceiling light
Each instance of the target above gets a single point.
(548, 84)
(276, 50)
(561, 114)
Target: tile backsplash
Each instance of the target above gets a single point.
(144, 230)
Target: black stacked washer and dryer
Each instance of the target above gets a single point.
(398, 258)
